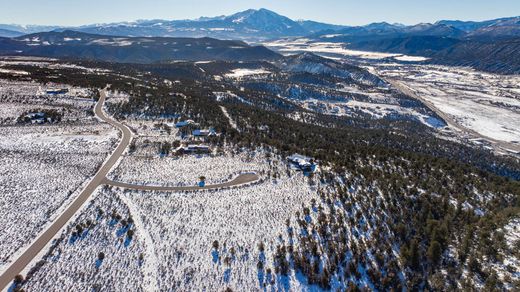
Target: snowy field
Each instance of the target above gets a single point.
(184, 226)
(17, 97)
(238, 73)
(176, 232)
(486, 103)
(41, 169)
(73, 262)
(330, 49)
(185, 170)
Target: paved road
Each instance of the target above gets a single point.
(469, 133)
(239, 180)
(28, 255)
(32, 251)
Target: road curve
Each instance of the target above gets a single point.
(242, 179)
(19, 264)
(48, 234)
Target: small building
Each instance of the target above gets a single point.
(302, 163)
(194, 148)
(198, 148)
(33, 116)
(55, 91)
(203, 133)
(39, 121)
(182, 124)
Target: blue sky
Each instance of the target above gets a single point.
(350, 12)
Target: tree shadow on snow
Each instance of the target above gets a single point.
(227, 275)
(215, 255)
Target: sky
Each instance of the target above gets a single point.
(347, 12)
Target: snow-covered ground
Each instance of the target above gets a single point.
(509, 267)
(116, 97)
(232, 123)
(175, 233)
(238, 73)
(486, 103)
(17, 97)
(42, 167)
(185, 170)
(73, 264)
(184, 226)
(333, 49)
(410, 58)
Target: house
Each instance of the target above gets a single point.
(33, 116)
(39, 121)
(195, 148)
(301, 162)
(203, 133)
(182, 124)
(36, 118)
(55, 91)
(198, 148)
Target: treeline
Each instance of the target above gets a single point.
(401, 224)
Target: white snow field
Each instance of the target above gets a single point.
(337, 50)
(405, 58)
(175, 233)
(238, 73)
(42, 167)
(485, 103)
(184, 226)
(72, 263)
(185, 170)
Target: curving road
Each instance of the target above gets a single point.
(241, 179)
(19, 264)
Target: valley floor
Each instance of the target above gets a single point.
(487, 105)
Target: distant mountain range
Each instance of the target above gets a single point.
(492, 45)
(262, 24)
(251, 24)
(7, 29)
(79, 45)
(491, 29)
(489, 45)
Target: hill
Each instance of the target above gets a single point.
(78, 45)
